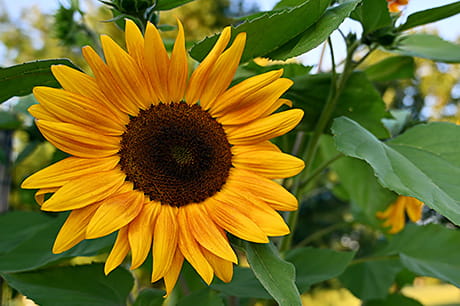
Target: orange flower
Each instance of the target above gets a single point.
(393, 5)
(394, 214)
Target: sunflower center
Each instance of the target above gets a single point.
(175, 153)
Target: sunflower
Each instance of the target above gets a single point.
(394, 5)
(395, 213)
(172, 163)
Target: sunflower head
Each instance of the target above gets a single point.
(171, 163)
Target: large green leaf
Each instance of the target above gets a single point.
(359, 101)
(26, 241)
(150, 297)
(392, 68)
(430, 250)
(275, 274)
(243, 284)
(424, 162)
(430, 15)
(19, 80)
(428, 46)
(394, 299)
(316, 33)
(79, 285)
(371, 279)
(270, 31)
(373, 15)
(164, 5)
(205, 297)
(317, 265)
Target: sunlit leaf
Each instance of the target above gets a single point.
(373, 15)
(164, 5)
(430, 15)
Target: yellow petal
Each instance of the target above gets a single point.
(264, 189)
(39, 112)
(78, 141)
(165, 237)
(119, 251)
(263, 146)
(414, 209)
(114, 213)
(265, 128)
(273, 107)
(234, 221)
(109, 84)
(256, 104)
(69, 169)
(223, 268)
(78, 110)
(234, 96)
(199, 77)
(156, 62)
(126, 73)
(207, 233)
(40, 194)
(223, 71)
(269, 164)
(74, 228)
(140, 233)
(178, 68)
(191, 250)
(85, 190)
(171, 276)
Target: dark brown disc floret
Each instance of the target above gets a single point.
(175, 153)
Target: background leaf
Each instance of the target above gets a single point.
(275, 274)
(270, 31)
(9, 121)
(316, 33)
(164, 5)
(373, 15)
(428, 46)
(205, 297)
(317, 265)
(430, 15)
(19, 80)
(78, 285)
(150, 297)
(391, 68)
(394, 299)
(243, 284)
(424, 162)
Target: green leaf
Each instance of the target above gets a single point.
(373, 15)
(275, 274)
(371, 279)
(317, 265)
(391, 68)
(19, 80)
(243, 284)
(26, 241)
(424, 162)
(150, 297)
(430, 250)
(430, 15)
(270, 31)
(9, 121)
(359, 101)
(205, 297)
(394, 299)
(316, 33)
(79, 285)
(428, 46)
(164, 5)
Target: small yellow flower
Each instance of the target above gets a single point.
(170, 162)
(394, 5)
(395, 214)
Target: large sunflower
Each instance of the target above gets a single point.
(170, 162)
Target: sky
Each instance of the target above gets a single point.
(449, 28)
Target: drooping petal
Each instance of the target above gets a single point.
(200, 76)
(207, 233)
(85, 190)
(222, 268)
(166, 236)
(414, 209)
(40, 194)
(172, 274)
(234, 221)
(78, 110)
(60, 173)
(114, 213)
(265, 128)
(78, 141)
(141, 232)
(178, 68)
(223, 71)
(268, 163)
(74, 228)
(119, 251)
(191, 250)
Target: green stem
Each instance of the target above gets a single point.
(323, 232)
(321, 168)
